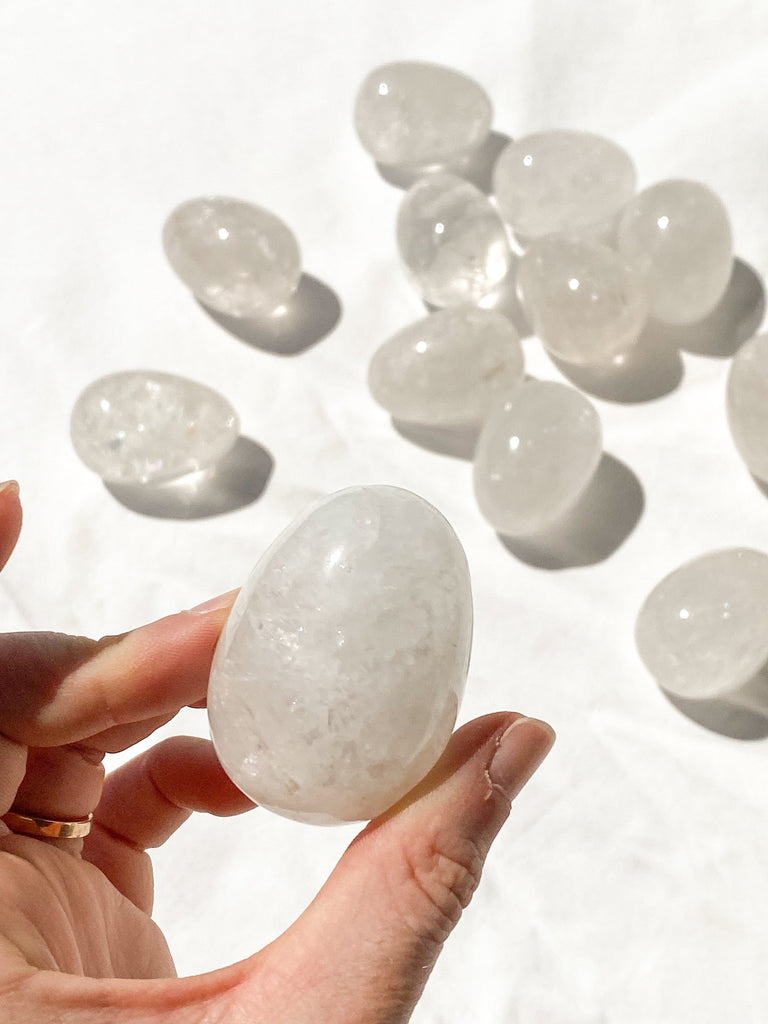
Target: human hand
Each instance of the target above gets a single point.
(77, 943)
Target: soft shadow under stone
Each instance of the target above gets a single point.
(310, 315)
(745, 717)
(593, 529)
(459, 441)
(234, 482)
(477, 167)
(733, 320)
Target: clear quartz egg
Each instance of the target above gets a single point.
(562, 181)
(536, 454)
(411, 112)
(451, 240)
(585, 303)
(747, 404)
(447, 368)
(677, 233)
(237, 258)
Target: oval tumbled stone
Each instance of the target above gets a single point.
(451, 240)
(142, 426)
(747, 404)
(703, 631)
(412, 112)
(536, 454)
(337, 679)
(237, 258)
(448, 367)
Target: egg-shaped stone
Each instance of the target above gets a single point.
(562, 181)
(583, 300)
(451, 240)
(702, 632)
(237, 258)
(536, 454)
(747, 404)
(413, 112)
(678, 234)
(337, 679)
(143, 426)
(448, 367)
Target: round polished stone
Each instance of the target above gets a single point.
(237, 258)
(747, 404)
(536, 454)
(703, 632)
(141, 426)
(451, 240)
(412, 112)
(678, 235)
(448, 367)
(583, 300)
(338, 676)
(562, 181)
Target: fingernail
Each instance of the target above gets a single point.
(9, 485)
(521, 750)
(216, 604)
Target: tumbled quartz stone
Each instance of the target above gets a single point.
(562, 181)
(451, 240)
(237, 258)
(747, 404)
(141, 427)
(585, 303)
(703, 631)
(448, 367)
(536, 454)
(417, 113)
(678, 235)
(338, 676)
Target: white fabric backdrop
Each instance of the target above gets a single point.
(629, 886)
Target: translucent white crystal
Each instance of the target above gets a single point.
(237, 258)
(678, 235)
(451, 240)
(337, 679)
(535, 456)
(583, 300)
(412, 112)
(562, 181)
(141, 426)
(703, 631)
(747, 404)
(447, 367)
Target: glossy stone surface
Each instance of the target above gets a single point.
(142, 426)
(747, 404)
(678, 234)
(562, 181)
(451, 240)
(586, 304)
(448, 367)
(536, 454)
(703, 631)
(412, 112)
(237, 258)
(337, 679)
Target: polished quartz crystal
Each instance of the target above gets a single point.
(141, 426)
(703, 631)
(451, 240)
(747, 404)
(582, 299)
(448, 367)
(678, 235)
(412, 112)
(562, 181)
(536, 454)
(237, 258)
(337, 679)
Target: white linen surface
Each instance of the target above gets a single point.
(629, 885)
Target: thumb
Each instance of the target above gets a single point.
(365, 946)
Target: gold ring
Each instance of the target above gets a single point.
(47, 828)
